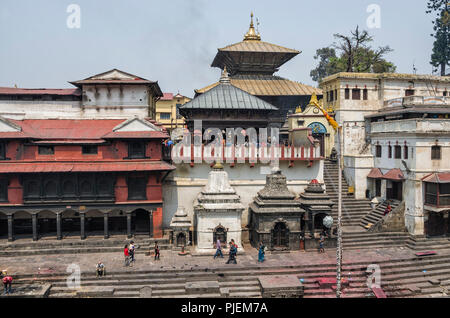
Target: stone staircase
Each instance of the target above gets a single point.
(409, 277)
(77, 246)
(372, 240)
(377, 214)
(421, 243)
(352, 210)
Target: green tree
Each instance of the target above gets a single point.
(440, 57)
(355, 56)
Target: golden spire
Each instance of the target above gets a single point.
(251, 34)
(224, 78)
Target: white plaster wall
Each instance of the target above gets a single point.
(207, 222)
(356, 169)
(100, 96)
(184, 184)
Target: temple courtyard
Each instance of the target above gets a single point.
(402, 272)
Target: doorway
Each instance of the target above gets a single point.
(280, 235)
(141, 220)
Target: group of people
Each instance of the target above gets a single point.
(129, 254)
(233, 251)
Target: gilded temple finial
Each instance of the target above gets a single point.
(251, 34)
(224, 77)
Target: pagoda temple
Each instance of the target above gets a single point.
(252, 63)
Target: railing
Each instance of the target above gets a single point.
(417, 100)
(241, 154)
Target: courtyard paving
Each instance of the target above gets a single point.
(58, 263)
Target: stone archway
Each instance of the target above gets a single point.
(117, 222)
(220, 233)
(280, 234)
(46, 221)
(140, 221)
(94, 222)
(22, 225)
(3, 225)
(181, 239)
(70, 223)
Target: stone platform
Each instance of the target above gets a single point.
(277, 286)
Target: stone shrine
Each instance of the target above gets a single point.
(217, 212)
(317, 205)
(275, 216)
(180, 225)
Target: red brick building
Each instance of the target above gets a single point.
(77, 177)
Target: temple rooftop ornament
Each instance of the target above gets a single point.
(251, 35)
(317, 205)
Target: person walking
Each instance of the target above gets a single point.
(261, 252)
(127, 255)
(131, 251)
(218, 250)
(388, 209)
(321, 241)
(7, 282)
(156, 251)
(232, 254)
(100, 269)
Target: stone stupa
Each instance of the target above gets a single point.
(217, 212)
(275, 215)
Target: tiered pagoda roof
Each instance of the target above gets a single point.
(275, 197)
(252, 63)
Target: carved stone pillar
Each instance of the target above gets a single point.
(105, 226)
(82, 226)
(129, 225)
(150, 214)
(34, 225)
(10, 228)
(58, 226)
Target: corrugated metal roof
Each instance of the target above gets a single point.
(375, 173)
(268, 86)
(39, 91)
(167, 96)
(442, 177)
(75, 130)
(227, 96)
(35, 167)
(394, 174)
(257, 46)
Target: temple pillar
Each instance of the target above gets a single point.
(128, 225)
(10, 228)
(58, 226)
(82, 226)
(34, 225)
(312, 225)
(105, 226)
(150, 215)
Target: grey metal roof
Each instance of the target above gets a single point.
(227, 96)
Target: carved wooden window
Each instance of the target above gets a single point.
(356, 94)
(46, 150)
(435, 152)
(136, 149)
(347, 93)
(137, 188)
(409, 92)
(2, 151)
(365, 94)
(397, 152)
(3, 190)
(378, 151)
(89, 150)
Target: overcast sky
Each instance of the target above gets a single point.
(175, 41)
